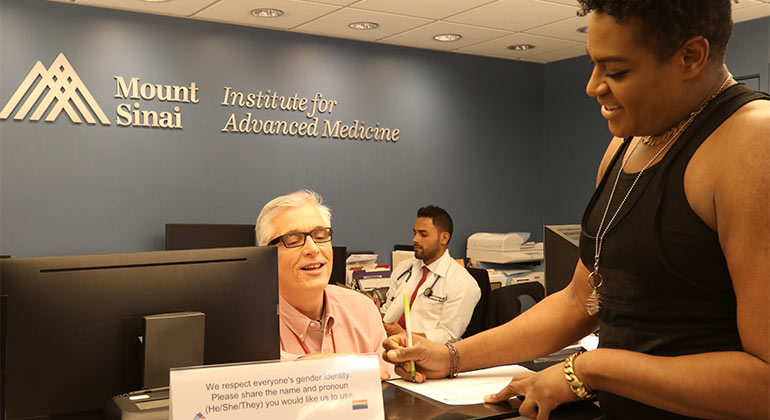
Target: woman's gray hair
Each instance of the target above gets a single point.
(264, 229)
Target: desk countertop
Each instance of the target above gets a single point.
(401, 404)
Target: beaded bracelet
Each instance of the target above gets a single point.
(454, 360)
(575, 384)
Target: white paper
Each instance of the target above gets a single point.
(361, 259)
(516, 271)
(590, 342)
(342, 388)
(466, 388)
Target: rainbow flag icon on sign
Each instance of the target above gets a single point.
(199, 416)
(360, 404)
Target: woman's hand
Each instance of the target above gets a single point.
(431, 359)
(542, 391)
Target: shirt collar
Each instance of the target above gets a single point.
(440, 266)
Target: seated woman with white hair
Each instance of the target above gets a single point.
(315, 317)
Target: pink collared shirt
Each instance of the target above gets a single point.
(350, 324)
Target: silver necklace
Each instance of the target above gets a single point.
(595, 279)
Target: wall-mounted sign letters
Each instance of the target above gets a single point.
(310, 108)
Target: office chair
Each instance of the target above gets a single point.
(399, 247)
(478, 322)
(507, 302)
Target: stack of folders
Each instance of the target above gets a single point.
(363, 273)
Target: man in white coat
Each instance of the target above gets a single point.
(442, 292)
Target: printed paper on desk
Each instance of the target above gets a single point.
(468, 387)
(343, 387)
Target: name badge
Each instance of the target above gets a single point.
(342, 387)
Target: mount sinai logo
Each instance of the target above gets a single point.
(62, 88)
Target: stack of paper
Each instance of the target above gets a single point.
(361, 260)
(503, 247)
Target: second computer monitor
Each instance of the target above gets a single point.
(561, 251)
(208, 235)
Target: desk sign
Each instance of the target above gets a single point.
(343, 387)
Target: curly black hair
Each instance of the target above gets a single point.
(665, 25)
(441, 218)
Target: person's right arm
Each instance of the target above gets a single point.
(554, 323)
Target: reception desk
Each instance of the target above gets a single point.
(401, 404)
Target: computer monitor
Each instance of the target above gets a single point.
(560, 253)
(207, 235)
(338, 264)
(71, 322)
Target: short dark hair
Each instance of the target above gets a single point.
(665, 25)
(440, 217)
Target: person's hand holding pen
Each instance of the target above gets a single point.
(431, 359)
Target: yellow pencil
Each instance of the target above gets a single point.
(408, 331)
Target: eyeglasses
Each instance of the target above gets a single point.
(296, 239)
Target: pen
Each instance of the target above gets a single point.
(408, 331)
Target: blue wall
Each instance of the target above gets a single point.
(749, 51)
(470, 135)
(574, 139)
(502, 145)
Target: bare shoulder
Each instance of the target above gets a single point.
(732, 166)
(749, 125)
(739, 157)
(742, 143)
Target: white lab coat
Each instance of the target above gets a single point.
(443, 316)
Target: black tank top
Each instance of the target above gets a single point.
(667, 290)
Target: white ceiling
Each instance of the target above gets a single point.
(487, 27)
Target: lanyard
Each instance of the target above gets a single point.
(331, 330)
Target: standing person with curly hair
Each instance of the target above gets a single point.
(674, 265)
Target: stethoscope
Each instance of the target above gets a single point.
(427, 293)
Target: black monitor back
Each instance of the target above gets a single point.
(338, 264)
(203, 235)
(71, 322)
(560, 253)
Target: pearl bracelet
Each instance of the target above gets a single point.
(575, 384)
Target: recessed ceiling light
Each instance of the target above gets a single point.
(363, 26)
(447, 37)
(267, 13)
(582, 29)
(520, 47)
